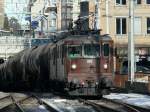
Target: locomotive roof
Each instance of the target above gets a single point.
(82, 38)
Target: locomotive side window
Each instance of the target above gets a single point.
(91, 50)
(54, 55)
(106, 49)
(64, 51)
(74, 51)
(57, 51)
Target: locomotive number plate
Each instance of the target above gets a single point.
(89, 61)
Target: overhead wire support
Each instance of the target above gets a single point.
(131, 60)
(97, 14)
(30, 5)
(107, 16)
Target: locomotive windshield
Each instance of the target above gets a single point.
(106, 49)
(91, 50)
(74, 51)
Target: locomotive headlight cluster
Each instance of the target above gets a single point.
(105, 66)
(73, 66)
(96, 83)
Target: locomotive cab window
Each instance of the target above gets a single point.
(106, 49)
(91, 50)
(74, 51)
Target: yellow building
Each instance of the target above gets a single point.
(114, 19)
(113, 16)
(1, 14)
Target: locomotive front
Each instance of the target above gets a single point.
(83, 66)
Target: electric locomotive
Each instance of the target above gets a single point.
(77, 64)
(83, 63)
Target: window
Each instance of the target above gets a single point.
(121, 26)
(64, 51)
(122, 51)
(63, 0)
(91, 50)
(53, 23)
(120, 2)
(58, 52)
(77, 1)
(106, 49)
(137, 25)
(74, 51)
(137, 1)
(69, 1)
(148, 1)
(148, 25)
(53, 1)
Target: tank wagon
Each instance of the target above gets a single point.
(78, 65)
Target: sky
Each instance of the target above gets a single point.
(15, 8)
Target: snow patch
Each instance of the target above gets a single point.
(131, 98)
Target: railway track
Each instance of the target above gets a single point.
(5, 101)
(29, 103)
(32, 103)
(105, 105)
(141, 109)
(10, 103)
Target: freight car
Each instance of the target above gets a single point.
(77, 64)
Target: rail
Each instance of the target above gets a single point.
(20, 104)
(109, 106)
(11, 102)
(8, 96)
(141, 109)
(49, 107)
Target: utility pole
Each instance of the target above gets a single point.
(107, 16)
(66, 17)
(97, 14)
(30, 4)
(131, 62)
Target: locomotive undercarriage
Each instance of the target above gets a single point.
(89, 91)
(103, 86)
(88, 88)
(80, 89)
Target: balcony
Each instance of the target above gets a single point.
(46, 14)
(67, 4)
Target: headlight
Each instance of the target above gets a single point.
(96, 83)
(73, 66)
(105, 66)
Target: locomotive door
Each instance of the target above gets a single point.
(106, 57)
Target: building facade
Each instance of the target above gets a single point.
(57, 14)
(114, 17)
(1, 14)
(11, 45)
